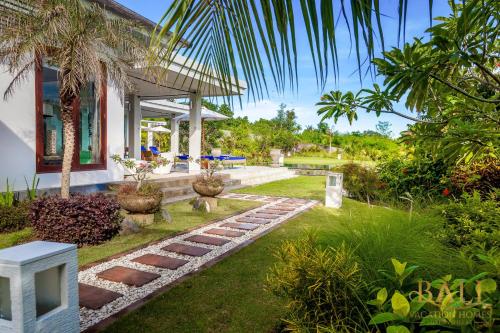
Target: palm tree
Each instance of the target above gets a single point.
(226, 34)
(80, 38)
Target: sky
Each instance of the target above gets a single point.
(303, 100)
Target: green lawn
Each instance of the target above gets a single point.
(312, 160)
(308, 187)
(183, 217)
(231, 296)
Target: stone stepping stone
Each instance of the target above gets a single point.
(284, 208)
(242, 226)
(271, 211)
(207, 240)
(224, 232)
(238, 195)
(272, 199)
(296, 201)
(95, 298)
(193, 251)
(252, 220)
(160, 261)
(128, 276)
(255, 197)
(263, 216)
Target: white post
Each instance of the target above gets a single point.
(195, 132)
(174, 136)
(134, 121)
(150, 137)
(334, 188)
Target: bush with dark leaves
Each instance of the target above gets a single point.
(81, 219)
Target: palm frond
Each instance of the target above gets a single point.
(245, 39)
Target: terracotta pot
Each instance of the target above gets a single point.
(207, 190)
(140, 204)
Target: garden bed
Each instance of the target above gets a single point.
(183, 218)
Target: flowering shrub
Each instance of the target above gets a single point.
(481, 176)
(140, 170)
(81, 219)
(209, 176)
(422, 178)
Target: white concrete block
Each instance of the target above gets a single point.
(334, 184)
(39, 288)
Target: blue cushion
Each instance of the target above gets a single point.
(154, 150)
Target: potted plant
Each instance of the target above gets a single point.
(139, 198)
(209, 184)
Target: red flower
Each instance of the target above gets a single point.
(446, 192)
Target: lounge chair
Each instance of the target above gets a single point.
(154, 150)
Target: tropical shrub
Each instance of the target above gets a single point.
(481, 176)
(14, 217)
(472, 221)
(458, 305)
(422, 178)
(81, 219)
(324, 287)
(360, 182)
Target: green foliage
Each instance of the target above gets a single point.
(482, 176)
(323, 287)
(450, 81)
(472, 221)
(360, 182)
(421, 177)
(31, 190)
(14, 217)
(7, 198)
(458, 305)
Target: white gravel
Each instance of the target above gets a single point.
(90, 317)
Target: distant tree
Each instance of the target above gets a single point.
(384, 128)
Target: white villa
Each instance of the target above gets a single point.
(31, 128)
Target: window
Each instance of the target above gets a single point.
(89, 122)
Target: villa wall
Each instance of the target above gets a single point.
(18, 139)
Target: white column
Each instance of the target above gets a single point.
(195, 132)
(174, 136)
(150, 137)
(134, 121)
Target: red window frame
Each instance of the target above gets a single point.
(75, 166)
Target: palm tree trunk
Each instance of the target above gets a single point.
(69, 144)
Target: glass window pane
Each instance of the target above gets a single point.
(90, 126)
(52, 123)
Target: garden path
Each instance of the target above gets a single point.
(119, 285)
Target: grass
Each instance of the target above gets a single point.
(308, 187)
(183, 217)
(231, 296)
(312, 160)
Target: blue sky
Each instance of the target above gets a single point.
(308, 94)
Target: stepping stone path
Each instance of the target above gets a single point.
(111, 286)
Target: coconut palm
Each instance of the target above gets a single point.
(81, 39)
(227, 34)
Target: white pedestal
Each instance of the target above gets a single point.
(39, 288)
(333, 195)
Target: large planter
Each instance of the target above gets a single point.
(207, 190)
(138, 204)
